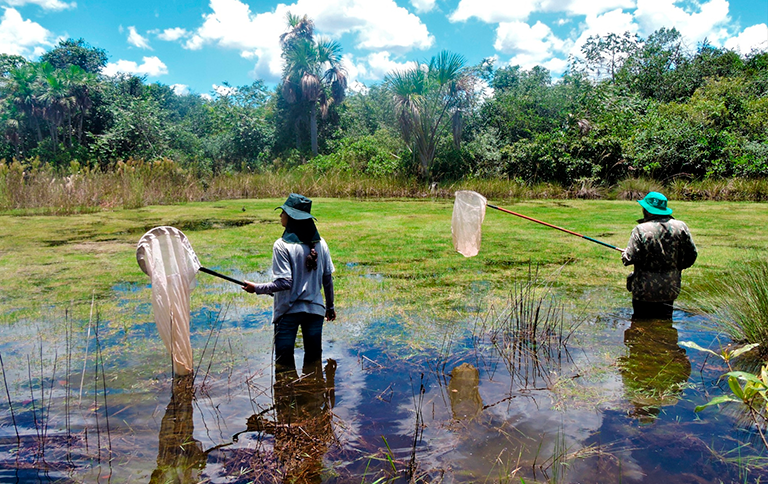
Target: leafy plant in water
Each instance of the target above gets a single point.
(726, 354)
(746, 388)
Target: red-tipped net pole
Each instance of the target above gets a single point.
(555, 227)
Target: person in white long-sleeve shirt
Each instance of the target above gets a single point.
(302, 272)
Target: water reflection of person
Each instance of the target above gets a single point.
(180, 458)
(464, 392)
(655, 369)
(303, 430)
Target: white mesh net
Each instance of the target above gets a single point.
(468, 215)
(166, 256)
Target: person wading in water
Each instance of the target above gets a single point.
(301, 267)
(660, 248)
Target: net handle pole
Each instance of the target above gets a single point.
(226, 278)
(556, 227)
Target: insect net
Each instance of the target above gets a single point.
(166, 256)
(468, 215)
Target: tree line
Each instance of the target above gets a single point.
(630, 106)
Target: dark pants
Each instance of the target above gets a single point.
(285, 339)
(652, 310)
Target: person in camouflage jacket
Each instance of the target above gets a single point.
(660, 248)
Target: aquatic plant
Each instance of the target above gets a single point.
(753, 393)
(737, 303)
(42, 408)
(530, 333)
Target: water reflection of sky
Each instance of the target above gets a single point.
(612, 408)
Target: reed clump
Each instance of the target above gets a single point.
(530, 332)
(737, 303)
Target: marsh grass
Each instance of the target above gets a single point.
(43, 405)
(737, 303)
(33, 187)
(530, 333)
(395, 254)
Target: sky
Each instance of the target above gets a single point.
(201, 46)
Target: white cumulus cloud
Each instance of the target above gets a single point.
(377, 24)
(708, 21)
(374, 25)
(354, 70)
(613, 22)
(180, 89)
(519, 37)
(531, 45)
(172, 34)
(136, 40)
(494, 11)
(22, 37)
(44, 4)
(423, 6)
(752, 38)
(231, 24)
(380, 64)
(150, 66)
(585, 7)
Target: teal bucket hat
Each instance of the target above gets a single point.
(655, 203)
(298, 207)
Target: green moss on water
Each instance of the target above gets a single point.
(397, 251)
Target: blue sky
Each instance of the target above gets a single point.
(198, 45)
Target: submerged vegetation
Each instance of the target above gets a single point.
(522, 394)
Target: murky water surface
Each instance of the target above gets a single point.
(399, 398)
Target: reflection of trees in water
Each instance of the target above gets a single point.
(655, 369)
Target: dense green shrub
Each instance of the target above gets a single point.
(657, 110)
(380, 154)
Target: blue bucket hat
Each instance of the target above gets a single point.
(655, 203)
(298, 207)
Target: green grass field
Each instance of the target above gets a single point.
(396, 252)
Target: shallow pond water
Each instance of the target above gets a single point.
(399, 398)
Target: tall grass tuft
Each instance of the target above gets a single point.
(530, 332)
(635, 188)
(737, 303)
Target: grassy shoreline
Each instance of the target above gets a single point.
(396, 249)
(36, 189)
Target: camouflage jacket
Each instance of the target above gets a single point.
(660, 249)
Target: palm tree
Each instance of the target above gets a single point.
(313, 75)
(81, 84)
(425, 97)
(53, 92)
(21, 93)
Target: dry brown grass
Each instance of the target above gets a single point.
(34, 187)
